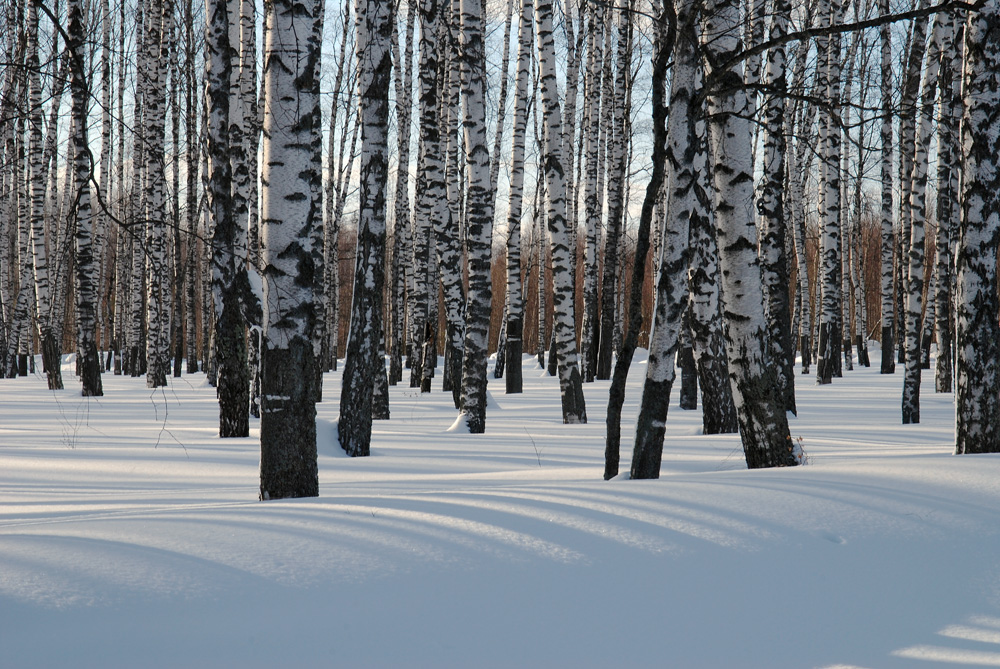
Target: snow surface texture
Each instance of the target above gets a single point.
(130, 536)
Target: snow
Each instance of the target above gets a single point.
(130, 535)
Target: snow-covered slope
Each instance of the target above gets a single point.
(130, 536)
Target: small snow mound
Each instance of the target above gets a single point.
(460, 426)
(328, 438)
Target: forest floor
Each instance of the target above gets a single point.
(131, 536)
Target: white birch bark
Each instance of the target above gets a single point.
(828, 81)
(907, 149)
(592, 200)
(941, 34)
(948, 209)
(430, 176)
(570, 382)
(364, 360)
(671, 285)
(515, 305)
(288, 216)
(40, 244)
(617, 195)
(770, 205)
(977, 377)
(888, 363)
(762, 419)
(479, 218)
(86, 267)
(159, 15)
(403, 78)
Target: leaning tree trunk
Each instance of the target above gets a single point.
(291, 170)
(616, 395)
(977, 377)
(671, 286)
(762, 419)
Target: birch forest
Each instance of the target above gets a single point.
(753, 191)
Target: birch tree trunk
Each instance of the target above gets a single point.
(828, 81)
(717, 407)
(159, 18)
(86, 268)
(228, 266)
(671, 285)
(907, 149)
(592, 199)
(403, 76)
(616, 396)
(940, 32)
(762, 419)
(977, 377)
(774, 265)
(515, 307)
(364, 361)
(616, 192)
(193, 160)
(43, 287)
(292, 146)
(430, 177)
(570, 383)
(948, 209)
(887, 235)
(479, 218)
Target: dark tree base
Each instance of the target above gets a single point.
(288, 465)
(89, 363)
(512, 352)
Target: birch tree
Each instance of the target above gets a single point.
(770, 205)
(940, 32)
(616, 395)
(159, 17)
(618, 162)
(228, 267)
(291, 155)
(671, 286)
(828, 83)
(515, 308)
(888, 365)
(570, 383)
(86, 267)
(479, 218)
(977, 377)
(363, 344)
(45, 312)
(762, 419)
(948, 208)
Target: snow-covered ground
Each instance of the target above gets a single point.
(131, 536)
